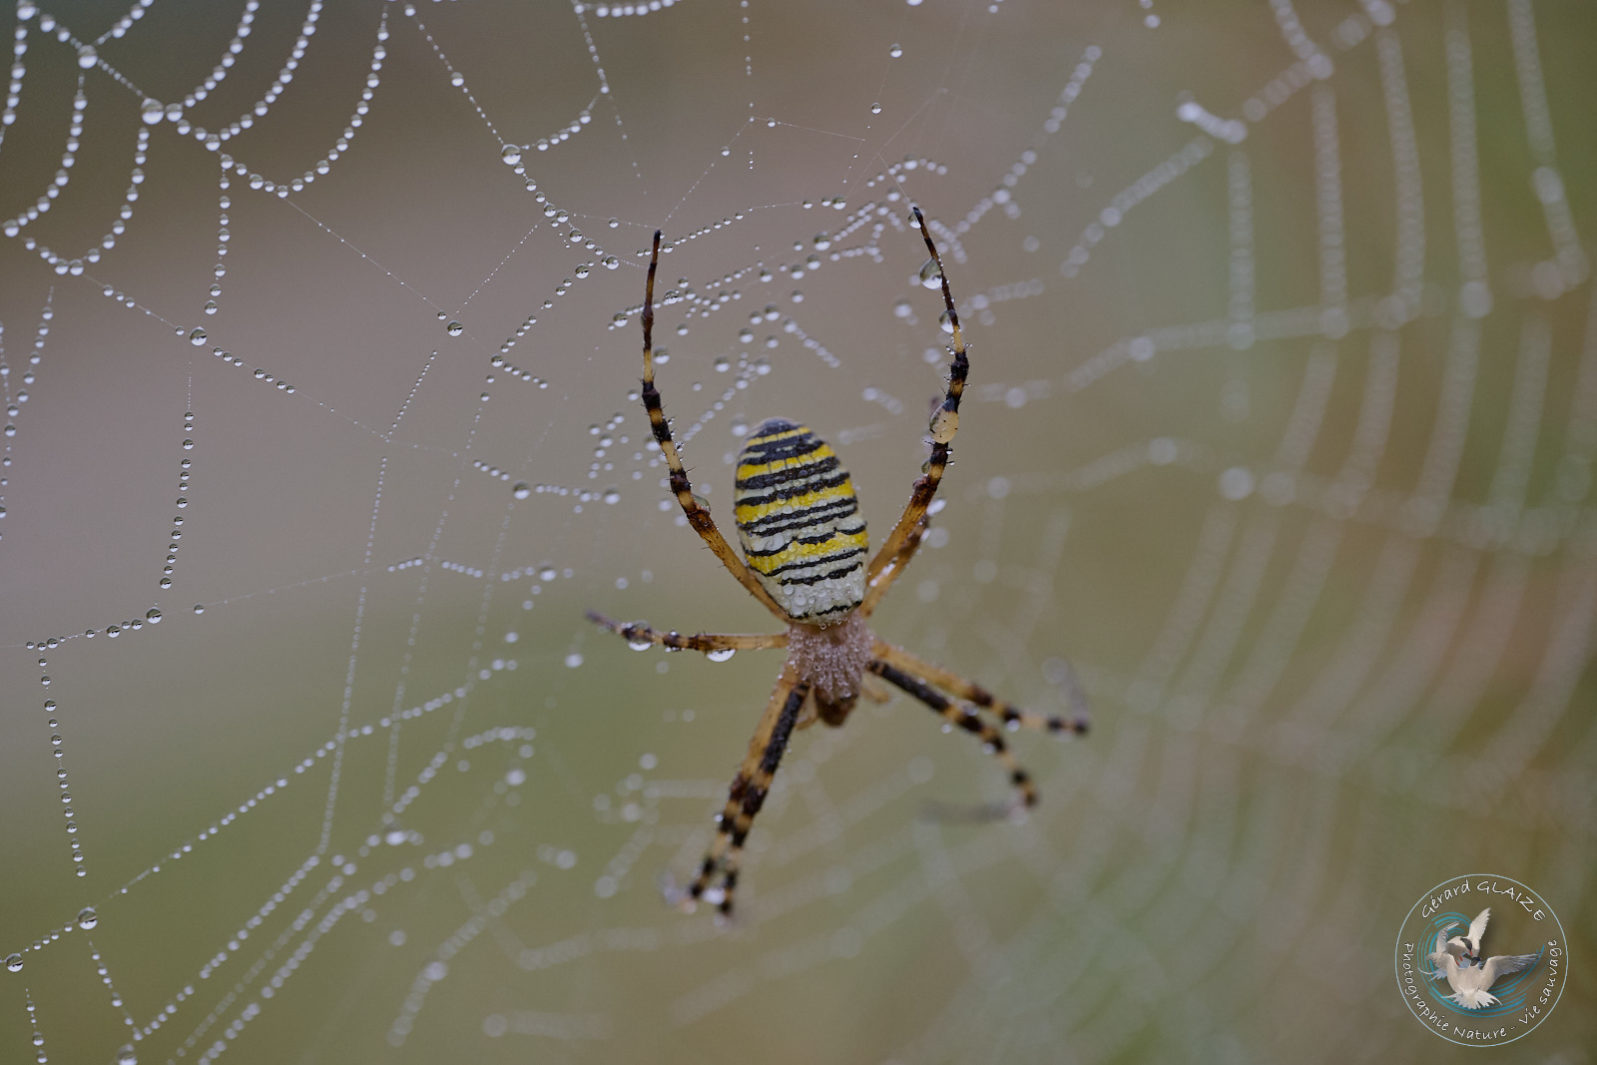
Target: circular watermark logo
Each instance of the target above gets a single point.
(1481, 959)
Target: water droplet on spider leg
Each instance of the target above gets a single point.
(931, 275)
(722, 654)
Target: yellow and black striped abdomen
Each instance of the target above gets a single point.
(799, 523)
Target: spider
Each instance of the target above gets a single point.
(805, 549)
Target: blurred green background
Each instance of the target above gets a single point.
(320, 360)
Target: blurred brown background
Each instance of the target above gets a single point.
(1282, 415)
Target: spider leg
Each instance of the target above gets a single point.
(895, 551)
(967, 719)
(893, 568)
(1012, 716)
(698, 515)
(748, 791)
(638, 632)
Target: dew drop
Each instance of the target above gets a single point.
(521, 490)
(931, 275)
(87, 918)
(197, 337)
(896, 52)
(573, 660)
(88, 57)
(640, 644)
(454, 329)
(14, 962)
(721, 655)
(153, 616)
(510, 154)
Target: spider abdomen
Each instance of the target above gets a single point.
(799, 523)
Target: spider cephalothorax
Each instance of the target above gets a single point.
(804, 558)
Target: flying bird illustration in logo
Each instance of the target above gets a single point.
(1458, 959)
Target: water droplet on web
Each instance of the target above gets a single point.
(197, 337)
(876, 109)
(1236, 483)
(521, 490)
(931, 276)
(14, 962)
(87, 918)
(902, 309)
(896, 51)
(127, 1056)
(88, 57)
(721, 655)
(454, 329)
(573, 660)
(510, 154)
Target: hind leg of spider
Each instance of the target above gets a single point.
(698, 514)
(893, 567)
(1011, 715)
(639, 634)
(971, 722)
(747, 794)
(889, 561)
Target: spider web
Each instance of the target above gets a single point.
(320, 356)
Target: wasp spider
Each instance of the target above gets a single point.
(804, 558)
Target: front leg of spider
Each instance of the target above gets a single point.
(805, 558)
